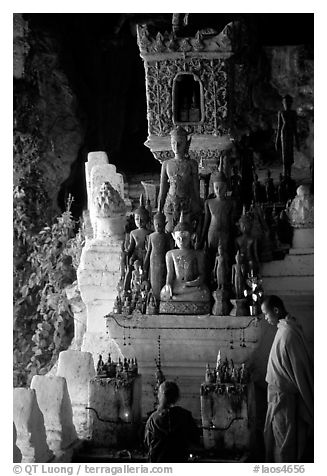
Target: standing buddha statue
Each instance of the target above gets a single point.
(179, 182)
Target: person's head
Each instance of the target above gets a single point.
(159, 222)
(179, 141)
(168, 393)
(273, 308)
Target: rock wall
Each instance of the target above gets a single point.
(41, 85)
(263, 76)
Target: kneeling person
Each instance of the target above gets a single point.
(170, 430)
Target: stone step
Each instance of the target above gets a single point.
(294, 264)
(291, 285)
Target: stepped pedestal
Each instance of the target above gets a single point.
(294, 274)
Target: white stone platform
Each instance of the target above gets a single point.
(294, 275)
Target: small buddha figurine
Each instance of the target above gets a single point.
(221, 268)
(287, 134)
(236, 183)
(257, 190)
(155, 259)
(270, 188)
(179, 182)
(136, 249)
(137, 277)
(218, 211)
(100, 365)
(246, 244)
(239, 276)
(185, 269)
(152, 304)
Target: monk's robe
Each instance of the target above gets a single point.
(289, 419)
(169, 433)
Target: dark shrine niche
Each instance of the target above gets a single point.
(187, 99)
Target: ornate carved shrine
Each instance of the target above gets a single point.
(190, 82)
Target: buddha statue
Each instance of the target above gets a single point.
(246, 244)
(301, 209)
(221, 269)
(157, 247)
(137, 277)
(136, 248)
(179, 182)
(287, 134)
(185, 291)
(218, 218)
(239, 276)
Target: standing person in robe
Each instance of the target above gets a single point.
(288, 429)
(170, 430)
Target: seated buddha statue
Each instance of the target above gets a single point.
(185, 291)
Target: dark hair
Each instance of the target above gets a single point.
(274, 301)
(170, 390)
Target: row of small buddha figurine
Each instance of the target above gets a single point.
(152, 271)
(226, 372)
(128, 368)
(267, 192)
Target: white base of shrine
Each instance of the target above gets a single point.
(187, 343)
